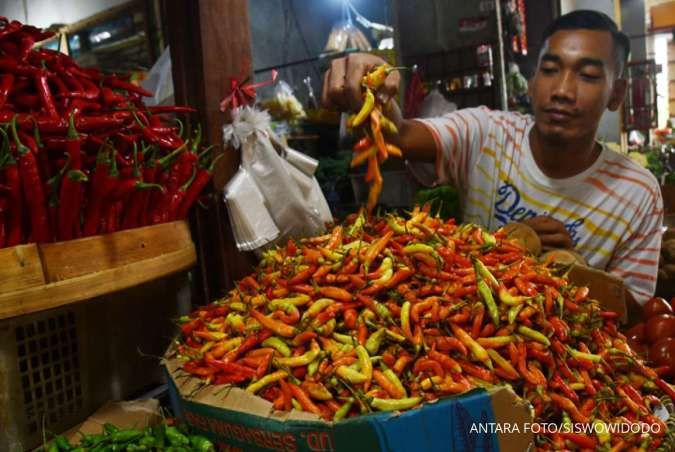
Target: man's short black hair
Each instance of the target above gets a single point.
(593, 20)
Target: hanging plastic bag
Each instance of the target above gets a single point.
(160, 81)
(274, 195)
(283, 105)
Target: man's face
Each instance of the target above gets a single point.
(575, 82)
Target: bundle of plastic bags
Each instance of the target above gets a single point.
(274, 195)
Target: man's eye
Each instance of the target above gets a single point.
(548, 70)
(590, 76)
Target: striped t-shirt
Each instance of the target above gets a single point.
(613, 210)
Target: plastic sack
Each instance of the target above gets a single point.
(160, 81)
(274, 195)
(283, 105)
(345, 35)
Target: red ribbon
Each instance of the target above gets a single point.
(243, 93)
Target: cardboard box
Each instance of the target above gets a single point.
(237, 420)
(135, 414)
(608, 289)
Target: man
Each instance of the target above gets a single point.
(547, 170)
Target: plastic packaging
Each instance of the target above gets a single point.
(274, 196)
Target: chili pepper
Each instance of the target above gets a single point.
(486, 294)
(448, 363)
(6, 82)
(567, 405)
(266, 380)
(375, 78)
(476, 349)
(580, 439)
(68, 215)
(375, 249)
(32, 188)
(395, 404)
(532, 334)
(302, 360)
(351, 375)
(510, 371)
(366, 108)
(496, 341)
(278, 345)
(275, 326)
(201, 179)
(344, 410)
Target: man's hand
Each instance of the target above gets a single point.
(342, 82)
(551, 232)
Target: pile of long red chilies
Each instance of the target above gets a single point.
(388, 313)
(80, 153)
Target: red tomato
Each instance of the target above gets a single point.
(660, 326)
(656, 306)
(637, 331)
(662, 353)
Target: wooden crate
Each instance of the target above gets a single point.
(34, 277)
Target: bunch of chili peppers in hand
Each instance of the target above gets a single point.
(373, 148)
(389, 313)
(80, 153)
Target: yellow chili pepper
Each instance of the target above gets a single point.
(508, 299)
(266, 380)
(302, 360)
(278, 345)
(351, 375)
(364, 362)
(534, 335)
(299, 300)
(366, 109)
(395, 404)
(316, 307)
(391, 376)
(476, 349)
(375, 340)
(419, 248)
(375, 79)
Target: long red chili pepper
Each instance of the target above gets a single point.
(32, 187)
(68, 217)
(201, 179)
(97, 193)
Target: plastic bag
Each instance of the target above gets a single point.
(283, 105)
(274, 195)
(160, 81)
(346, 35)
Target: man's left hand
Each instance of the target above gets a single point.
(551, 232)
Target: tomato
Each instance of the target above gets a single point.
(656, 306)
(660, 326)
(637, 332)
(662, 353)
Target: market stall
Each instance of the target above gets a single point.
(247, 270)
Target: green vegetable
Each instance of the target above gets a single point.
(201, 444)
(444, 201)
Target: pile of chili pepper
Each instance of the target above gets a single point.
(164, 437)
(373, 148)
(80, 153)
(389, 313)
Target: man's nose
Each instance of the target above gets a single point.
(566, 88)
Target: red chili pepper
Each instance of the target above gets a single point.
(68, 215)
(6, 82)
(201, 179)
(98, 190)
(115, 82)
(33, 191)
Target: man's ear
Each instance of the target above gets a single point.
(618, 94)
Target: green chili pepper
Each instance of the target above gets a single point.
(405, 317)
(391, 335)
(278, 345)
(343, 410)
(486, 295)
(534, 335)
(123, 436)
(395, 404)
(482, 272)
(296, 405)
(175, 437)
(512, 300)
(201, 444)
(489, 239)
(576, 354)
(344, 338)
(313, 367)
(375, 341)
(513, 313)
(419, 248)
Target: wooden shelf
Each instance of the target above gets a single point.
(35, 278)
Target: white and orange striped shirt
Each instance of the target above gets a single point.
(613, 210)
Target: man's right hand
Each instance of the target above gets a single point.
(342, 82)
(342, 91)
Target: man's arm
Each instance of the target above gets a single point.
(342, 90)
(636, 259)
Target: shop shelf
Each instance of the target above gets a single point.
(35, 278)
